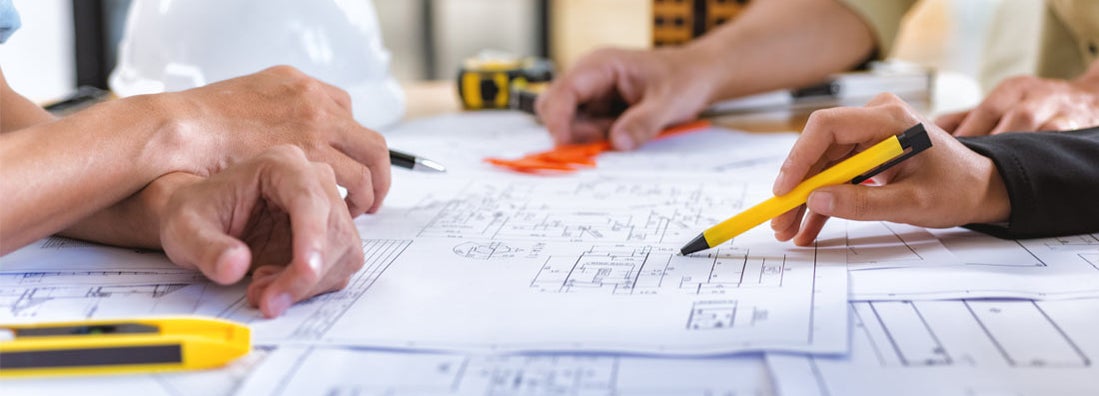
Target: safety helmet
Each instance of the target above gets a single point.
(175, 45)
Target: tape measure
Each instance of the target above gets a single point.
(497, 81)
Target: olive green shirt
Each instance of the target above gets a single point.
(1069, 42)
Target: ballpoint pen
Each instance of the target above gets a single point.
(856, 169)
(409, 161)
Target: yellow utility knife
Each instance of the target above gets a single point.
(120, 346)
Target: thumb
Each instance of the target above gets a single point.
(638, 124)
(220, 257)
(857, 202)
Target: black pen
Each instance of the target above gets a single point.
(409, 161)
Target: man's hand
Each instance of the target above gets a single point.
(236, 119)
(279, 215)
(1028, 103)
(628, 96)
(947, 185)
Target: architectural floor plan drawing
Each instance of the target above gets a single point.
(564, 264)
(587, 210)
(345, 371)
(962, 347)
(73, 302)
(311, 319)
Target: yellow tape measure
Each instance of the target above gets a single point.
(492, 81)
(120, 346)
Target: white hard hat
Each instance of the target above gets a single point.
(175, 45)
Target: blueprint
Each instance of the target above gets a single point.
(1042, 268)
(961, 347)
(346, 371)
(564, 264)
(511, 264)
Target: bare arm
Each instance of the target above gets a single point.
(56, 172)
(782, 44)
(774, 44)
(16, 112)
(53, 173)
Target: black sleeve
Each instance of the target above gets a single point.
(1052, 179)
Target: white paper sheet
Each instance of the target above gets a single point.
(332, 371)
(568, 263)
(1043, 268)
(880, 245)
(514, 264)
(64, 254)
(970, 347)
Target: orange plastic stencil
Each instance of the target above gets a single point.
(572, 157)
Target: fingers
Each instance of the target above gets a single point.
(854, 202)
(949, 122)
(787, 224)
(334, 126)
(1059, 123)
(557, 108)
(307, 194)
(1025, 116)
(262, 278)
(587, 130)
(373, 177)
(357, 179)
(983, 119)
(813, 224)
(829, 128)
(638, 124)
(592, 79)
(200, 242)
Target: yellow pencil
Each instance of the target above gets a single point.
(856, 169)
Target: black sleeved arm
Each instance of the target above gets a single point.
(1052, 179)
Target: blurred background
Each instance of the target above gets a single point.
(66, 43)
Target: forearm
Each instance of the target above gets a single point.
(1052, 180)
(16, 112)
(135, 221)
(782, 44)
(58, 172)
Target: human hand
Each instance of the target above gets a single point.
(277, 214)
(946, 185)
(234, 120)
(1027, 103)
(626, 96)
